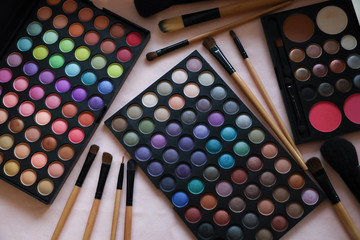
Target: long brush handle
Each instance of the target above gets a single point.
(128, 219)
(115, 214)
(91, 220)
(269, 103)
(180, 22)
(250, 95)
(152, 55)
(347, 221)
(66, 212)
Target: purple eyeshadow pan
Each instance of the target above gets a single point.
(158, 140)
(183, 171)
(143, 154)
(47, 76)
(170, 156)
(216, 119)
(96, 103)
(201, 131)
(173, 128)
(79, 94)
(155, 169)
(198, 158)
(186, 143)
(30, 68)
(62, 85)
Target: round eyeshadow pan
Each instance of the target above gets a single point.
(76, 29)
(22, 150)
(239, 176)
(20, 84)
(88, 78)
(69, 110)
(243, 121)
(235, 233)
(294, 210)
(117, 30)
(226, 161)
(269, 150)
(24, 44)
(196, 186)
(28, 177)
(206, 231)
(191, 90)
(213, 146)
(10, 100)
(91, 38)
(50, 37)
(108, 46)
(34, 28)
(162, 114)
(282, 165)
(206, 78)
(173, 128)
(310, 196)
(119, 124)
(66, 152)
(250, 220)
(170, 156)
(231, 107)
(44, 13)
(331, 46)
(32, 134)
(143, 153)
(221, 217)
(348, 42)
(228, 134)
(252, 191)
(302, 74)
(298, 28)
(179, 76)
(208, 201)
(281, 194)
(56, 169)
(350, 108)
(267, 179)
(218, 93)
(241, 148)
(183, 171)
(6, 141)
(198, 158)
(180, 199)
(82, 53)
(297, 55)
(224, 188)
(5, 75)
(49, 143)
(14, 59)
(11, 168)
(105, 86)
(95, 103)
(353, 61)
(296, 181)
(320, 122)
(176, 102)
(69, 6)
(194, 64)
(192, 215)
(101, 22)
(343, 85)
(266, 207)
(124, 54)
(85, 14)
(86, 119)
(254, 163)
(60, 21)
(201, 131)
(45, 187)
(131, 138)
(279, 223)
(264, 234)
(133, 39)
(237, 204)
(16, 125)
(40, 52)
(332, 20)
(188, 116)
(186, 143)
(146, 126)
(66, 45)
(134, 111)
(158, 140)
(164, 88)
(204, 104)
(167, 184)
(211, 173)
(76, 135)
(314, 50)
(3, 115)
(155, 169)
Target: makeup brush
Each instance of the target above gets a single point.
(152, 55)
(147, 8)
(180, 22)
(210, 44)
(117, 201)
(131, 166)
(72, 198)
(104, 171)
(321, 177)
(341, 155)
(261, 88)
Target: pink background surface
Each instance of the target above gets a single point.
(23, 217)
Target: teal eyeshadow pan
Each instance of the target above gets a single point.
(57, 81)
(192, 146)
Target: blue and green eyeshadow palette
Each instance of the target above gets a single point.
(61, 66)
(224, 173)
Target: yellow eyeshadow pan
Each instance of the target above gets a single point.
(58, 73)
(187, 132)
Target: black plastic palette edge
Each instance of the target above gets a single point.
(199, 145)
(297, 108)
(89, 131)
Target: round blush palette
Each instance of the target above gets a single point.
(223, 172)
(315, 50)
(57, 76)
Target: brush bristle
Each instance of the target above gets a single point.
(314, 165)
(131, 164)
(151, 56)
(340, 154)
(209, 42)
(123, 159)
(171, 24)
(94, 149)
(147, 8)
(107, 158)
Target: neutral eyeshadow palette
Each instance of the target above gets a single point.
(315, 51)
(59, 71)
(224, 174)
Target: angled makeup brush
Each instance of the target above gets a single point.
(210, 44)
(321, 177)
(131, 166)
(104, 171)
(152, 55)
(342, 157)
(180, 22)
(147, 8)
(72, 198)
(117, 201)
(261, 88)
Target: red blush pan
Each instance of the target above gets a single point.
(325, 116)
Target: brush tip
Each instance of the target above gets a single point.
(107, 158)
(314, 165)
(171, 24)
(94, 149)
(209, 42)
(131, 164)
(123, 158)
(151, 56)
(233, 34)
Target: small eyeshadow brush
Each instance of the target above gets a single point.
(131, 166)
(72, 198)
(117, 201)
(210, 44)
(317, 170)
(104, 171)
(341, 155)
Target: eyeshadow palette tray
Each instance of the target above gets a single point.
(58, 74)
(315, 51)
(225, 175)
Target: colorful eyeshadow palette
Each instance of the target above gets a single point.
(315, 51)
(223, 172)
(58, 73)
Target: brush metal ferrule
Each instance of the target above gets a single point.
(218, 54)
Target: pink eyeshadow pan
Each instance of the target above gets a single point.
(20, 84)
(56, 169)
(39, 160)
(91, 38)
(53, 101)
(14, 59)
(26, 109)
(59, 126)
